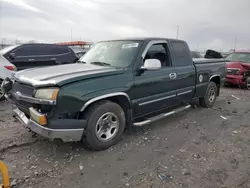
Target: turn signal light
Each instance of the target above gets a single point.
(38, 117)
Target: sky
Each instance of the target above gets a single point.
(216, 24)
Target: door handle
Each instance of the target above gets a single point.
(172, 75)
(53, 58)
(31, 59)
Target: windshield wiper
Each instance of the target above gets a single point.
(100, 63)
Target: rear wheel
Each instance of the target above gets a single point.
(211, 93)
(1, 92)
(105, 125)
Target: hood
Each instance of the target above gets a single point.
(63, 74)
(239, 65)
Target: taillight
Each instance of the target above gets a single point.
(11, 68)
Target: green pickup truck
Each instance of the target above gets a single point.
(117, 84)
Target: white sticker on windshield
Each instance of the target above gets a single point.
(133, 45)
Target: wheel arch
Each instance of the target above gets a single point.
(121, 98)
(216, 79)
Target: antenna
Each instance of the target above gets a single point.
(235, 43)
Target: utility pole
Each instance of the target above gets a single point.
(71, 34)
(177, 34)
(235, 43)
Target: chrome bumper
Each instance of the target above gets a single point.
(67, 135)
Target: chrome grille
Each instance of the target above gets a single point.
(25, 90)
(22, 88)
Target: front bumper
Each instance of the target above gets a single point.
(67, 135)
(235, 80)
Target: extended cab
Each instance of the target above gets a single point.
(115, 85)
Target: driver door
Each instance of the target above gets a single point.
(155, 89)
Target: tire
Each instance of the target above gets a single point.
(99, 134)
(248, 83)
(1, 94)
(211, 93)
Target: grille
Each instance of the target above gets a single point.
(233, 71)
(22, 88)
(25, 90)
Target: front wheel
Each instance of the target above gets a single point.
(211, 93)
(105, 125)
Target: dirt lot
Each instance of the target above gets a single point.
(197, 148)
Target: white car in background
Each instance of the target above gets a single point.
(6, 68)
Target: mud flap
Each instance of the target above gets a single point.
(5, 176)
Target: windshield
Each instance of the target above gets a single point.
(7, 49)
(243, 57)
(112, 53)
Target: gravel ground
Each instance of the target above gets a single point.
(197, 148)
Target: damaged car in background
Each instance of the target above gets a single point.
(116, 85)
(238, 69)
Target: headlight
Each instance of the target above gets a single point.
(49, 93)
(233, 71)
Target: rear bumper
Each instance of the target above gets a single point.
(67, 135)
(235, 80)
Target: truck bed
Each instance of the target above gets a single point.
(208, 68)
(204, 60)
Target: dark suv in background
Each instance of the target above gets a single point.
(38, 55)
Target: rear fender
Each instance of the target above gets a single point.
(217, 80)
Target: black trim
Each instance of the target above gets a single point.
(66, 124)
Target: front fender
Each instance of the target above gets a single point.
(104, 94)
(73, 97)
(72, 104)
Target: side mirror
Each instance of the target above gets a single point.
(12, 55)
(151, 64)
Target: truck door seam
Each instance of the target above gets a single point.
(185, 92)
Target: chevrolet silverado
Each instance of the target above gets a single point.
(117, 84)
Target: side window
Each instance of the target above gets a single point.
(181, 52)
(58, 50)
(24, 51)
(48, 50)
(159, 51)
(40, 50)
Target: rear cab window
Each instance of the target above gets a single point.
(181, 53)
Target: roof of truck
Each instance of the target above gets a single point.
(145, 39)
